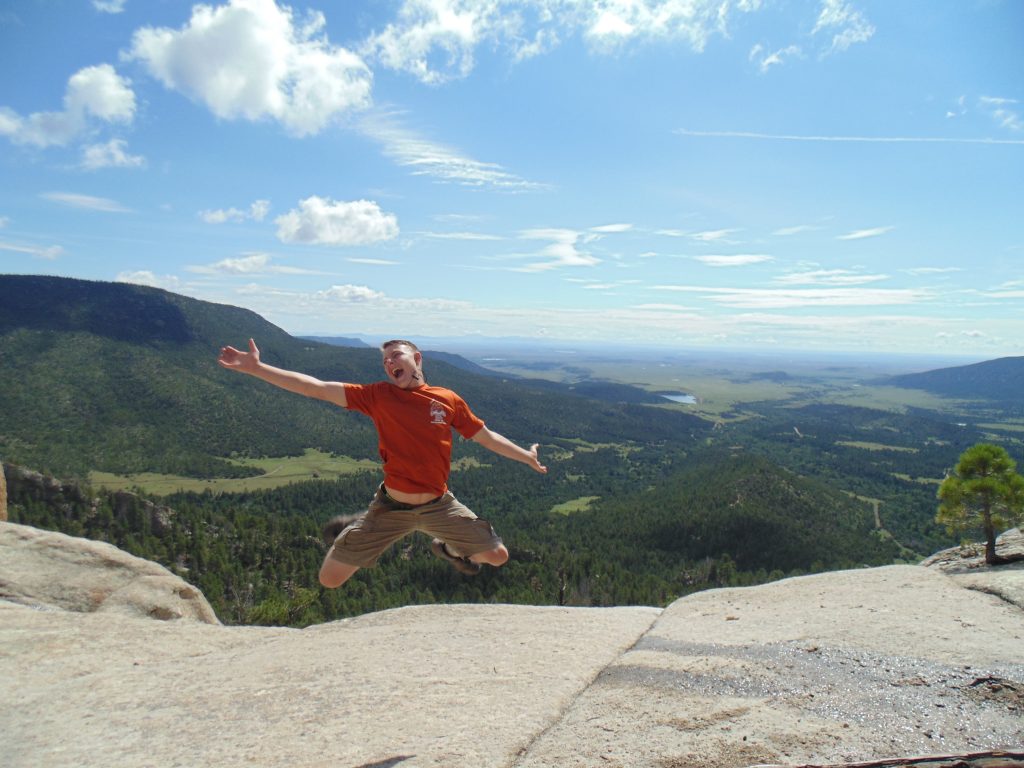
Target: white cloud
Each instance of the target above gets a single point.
(609, 23)
(374, 262)
(847, 25)
(49, 253)
(428, 158)
(436, 40)
(85, 201)
(322, 221)
(737, 260)
(447, 31)
(96, 92)
(256, 212)
(110, 155)
(611, 228)
(249, 59)
(860, 234)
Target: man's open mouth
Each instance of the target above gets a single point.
(397, 372)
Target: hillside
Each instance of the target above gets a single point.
(1000, 380)
(123, 378)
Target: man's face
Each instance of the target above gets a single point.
(403, 366)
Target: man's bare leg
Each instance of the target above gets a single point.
(334, 573)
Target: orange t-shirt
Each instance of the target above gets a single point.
(414, 431)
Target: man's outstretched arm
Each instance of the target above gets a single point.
(249, 362)
(502, 446)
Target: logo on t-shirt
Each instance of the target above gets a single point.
(437, 414)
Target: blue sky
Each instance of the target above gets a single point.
(734, 174)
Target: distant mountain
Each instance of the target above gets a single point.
(337, 341)
(124, 378)
(1000, 380)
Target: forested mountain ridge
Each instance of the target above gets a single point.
(1001, 380)
(123, 378)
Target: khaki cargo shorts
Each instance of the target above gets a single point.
(386, 521)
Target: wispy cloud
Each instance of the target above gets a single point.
(146, 277)
(847, 25)
(428, 158)
(766, 61)
(48, 253)
(1004, 112)
(860, 234)
(108, 6)
(788, 231)
(562, 252)
(374, 262)
(460, 236)
(737, 260)
(610, 228)
(932, 270)
(864, 139)
(87, 202)
(710, 236)
(788, 298)
(828, 277)
(248, 264)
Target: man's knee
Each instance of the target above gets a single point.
(334, 573)
(496, 557)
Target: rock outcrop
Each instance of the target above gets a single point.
(45, 569)
(848, 667)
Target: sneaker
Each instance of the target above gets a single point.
(336, 525)
(460, 564)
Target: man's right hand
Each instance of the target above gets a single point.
(236, 360)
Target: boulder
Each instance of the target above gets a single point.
(46, 569)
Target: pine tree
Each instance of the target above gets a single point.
(985, 491)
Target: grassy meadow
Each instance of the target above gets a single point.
(277, 471)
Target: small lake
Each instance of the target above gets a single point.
(681, 397)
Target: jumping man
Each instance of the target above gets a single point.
(414, 428)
